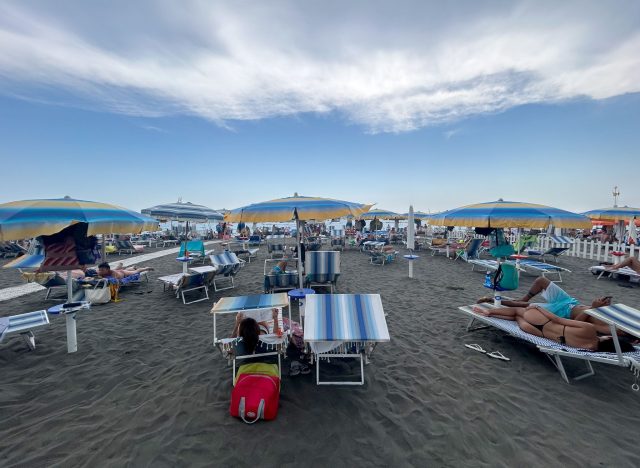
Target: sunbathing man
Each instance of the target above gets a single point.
(630, 262)
(559, 303)
(538, 321)
(104, 270)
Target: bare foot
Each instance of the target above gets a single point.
(481, 311)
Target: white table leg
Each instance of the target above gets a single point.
(72, 340)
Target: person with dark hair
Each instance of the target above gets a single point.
(105, 271)
(248, 332)
(538, 321)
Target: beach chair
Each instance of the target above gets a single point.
(542, 268)
(183, 283)
(281, 280)
(227, 265)
(195, 249)
(52, 281)
(560, 245)
(259, 308)
(276, 246)
(377, 257)
(241, 250)
(618, 317)
(472, 250)
(444, 248)
(24, 325)
(344, 326)
(255, 240)
(126, 247)
(322, 268)
(600, 271)
(525, 242)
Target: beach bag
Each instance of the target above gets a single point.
(499, 246)
(506, 278)
(98, 295)
(256, 395)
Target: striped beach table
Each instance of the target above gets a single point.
(344, 326)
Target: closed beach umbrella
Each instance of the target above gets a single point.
(31, 218)
(633, 232)
(411, 230)
(505, 214)
(298, 209)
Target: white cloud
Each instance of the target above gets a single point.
(386, 69)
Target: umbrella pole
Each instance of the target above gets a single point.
(299, 241)
(70, 319)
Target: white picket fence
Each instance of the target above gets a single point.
(591, 249)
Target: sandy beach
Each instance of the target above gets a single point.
(147, 388)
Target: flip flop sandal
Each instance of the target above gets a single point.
(476, 347)
(498, 355)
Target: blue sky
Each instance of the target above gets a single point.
(226, 107)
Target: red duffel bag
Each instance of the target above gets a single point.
(255, 396)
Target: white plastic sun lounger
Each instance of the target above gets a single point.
(24, 324)
(600, 270)
(617, 316)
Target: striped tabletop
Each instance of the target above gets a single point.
(624, 317)
(345, 317)
(256, 301)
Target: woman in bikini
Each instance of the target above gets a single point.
(537, 321)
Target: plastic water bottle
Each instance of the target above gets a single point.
(487, 280)
(497, 300)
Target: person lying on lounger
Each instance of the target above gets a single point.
(538, 321)
(104, 270)
(630, 262)
(559, 303)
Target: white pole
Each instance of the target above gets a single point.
(299, 240)
(72, 340)
(410, 268)
(69, 287)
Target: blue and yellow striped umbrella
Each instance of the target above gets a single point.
(506, 214)
(614, 214)
(296, 207)
(382, 214)
(31, 218)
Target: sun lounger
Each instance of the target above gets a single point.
(227, 265)
(242, 250)
(381, 257)
(344, 326)
(280, 281)
(472, 250)
(560, 245)
(24, 324)
(182, 283)
(259, 308)
(370, 246)
(11, 250)
(531, 267)
(51, 280)
(255, 240)
(195, 249)
(600, 270)
(618, 316)
(322, 268)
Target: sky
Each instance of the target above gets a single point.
(435, 104)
